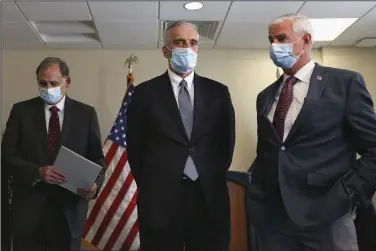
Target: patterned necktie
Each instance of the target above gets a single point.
(53, 131)
(186, 112)
(284, 103)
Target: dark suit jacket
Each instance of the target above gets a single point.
(316, 164)
(25, 149)
(158, 147)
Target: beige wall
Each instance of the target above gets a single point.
(98, 78)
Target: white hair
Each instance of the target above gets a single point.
(166, 38)
(300, 24)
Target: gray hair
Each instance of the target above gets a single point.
(166, 38)
(47, 62)
(301, 24)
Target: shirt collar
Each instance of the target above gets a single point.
(59, 105)
(304, 74)
(176, 79)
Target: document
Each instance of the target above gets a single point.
(80, 172)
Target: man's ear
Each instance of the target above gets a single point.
(307, 38)
(67, 81)
(166, 52)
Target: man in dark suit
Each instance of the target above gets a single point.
(181, 135)
(307, 182)
(45, 216)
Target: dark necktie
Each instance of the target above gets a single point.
(283, 105)
(53, 131)
(186, 112)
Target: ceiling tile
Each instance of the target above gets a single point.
(64, 27)
(212, 11)
(10, 13)
(81, 46)
(336, 9)
(363, 28)
(243, 36)
(19, 35)
(129, 33)
(261, 12)
(124, 11)
(129, 46)
(55, 11)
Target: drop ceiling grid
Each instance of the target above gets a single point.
(136, 24)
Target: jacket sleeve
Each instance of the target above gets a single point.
(95, 153)
(11, 159)
(361, 117)
(135, 130)
(229, 130)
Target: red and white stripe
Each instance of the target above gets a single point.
(112, 218)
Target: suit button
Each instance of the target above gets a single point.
(283, 148)
(190, 150)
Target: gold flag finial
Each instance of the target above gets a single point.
(130, 60)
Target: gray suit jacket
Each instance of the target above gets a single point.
(316, 166)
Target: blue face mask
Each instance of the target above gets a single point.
(51, 95)
(282, 55)
(183, 60)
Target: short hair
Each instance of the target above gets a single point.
(47, 62)
(300, 24)
(172, 25)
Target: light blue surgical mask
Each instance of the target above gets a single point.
(51, 95)
(183, 60)
(282, 54)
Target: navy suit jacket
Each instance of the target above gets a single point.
(314, 168)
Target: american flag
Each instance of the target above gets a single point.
(112, 218)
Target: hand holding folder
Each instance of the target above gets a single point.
(80, 172)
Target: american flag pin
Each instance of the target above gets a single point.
(319, 77)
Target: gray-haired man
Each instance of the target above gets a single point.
(181, 129)
(306, 180)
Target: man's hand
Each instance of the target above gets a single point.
(52, 175)
(88, 193)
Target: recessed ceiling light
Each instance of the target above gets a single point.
(193, 5)
(328, 29)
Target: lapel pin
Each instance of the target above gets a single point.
(319, 77)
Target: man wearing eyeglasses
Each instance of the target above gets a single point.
(44, 215)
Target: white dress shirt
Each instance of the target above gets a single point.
(47, 112)
(175, 81)
(300, 91)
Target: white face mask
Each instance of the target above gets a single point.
(282, 54)
(183, 60)
(51, 95)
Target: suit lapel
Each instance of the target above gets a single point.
(67, 121)
(168, 97)
(39, 119)
(199, 106)
(316, 88)
(267, 104)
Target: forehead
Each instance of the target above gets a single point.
(284, 27)
(51, 72)
(183, 31)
